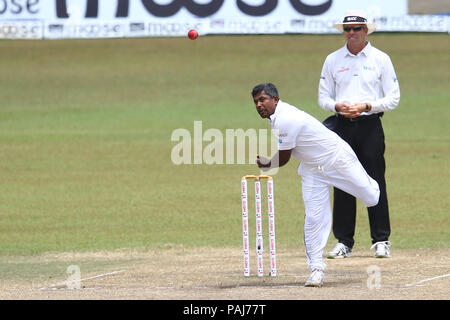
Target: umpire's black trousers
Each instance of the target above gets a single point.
(366, 137)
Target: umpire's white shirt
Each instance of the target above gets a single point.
(368, 77)
(310, 141)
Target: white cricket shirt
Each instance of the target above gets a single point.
(311, 142)
(368, 77)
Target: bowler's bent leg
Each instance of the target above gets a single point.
(350, 176)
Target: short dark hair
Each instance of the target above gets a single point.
(268, 88)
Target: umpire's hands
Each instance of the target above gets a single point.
(350, 111)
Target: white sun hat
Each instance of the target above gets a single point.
(356, 17)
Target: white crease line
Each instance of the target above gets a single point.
(429, 279)
(64, 283)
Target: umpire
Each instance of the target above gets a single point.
(358, 83)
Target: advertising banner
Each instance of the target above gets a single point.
(56, 19)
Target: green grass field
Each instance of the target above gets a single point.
(85, 139)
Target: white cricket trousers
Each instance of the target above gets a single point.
(347, 174)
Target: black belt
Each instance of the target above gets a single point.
(360, 118)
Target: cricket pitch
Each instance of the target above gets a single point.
(216, 273)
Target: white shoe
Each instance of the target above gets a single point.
(382, 249)
(316, 279)
(340, 250)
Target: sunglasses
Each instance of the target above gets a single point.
(356, 29)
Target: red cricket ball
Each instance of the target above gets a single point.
(193, 34)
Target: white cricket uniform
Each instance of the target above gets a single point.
(325, 160)
(368, 76)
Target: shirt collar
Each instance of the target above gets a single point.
(365, 51)
(276, 112)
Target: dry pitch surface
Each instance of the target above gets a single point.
(209, 273)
